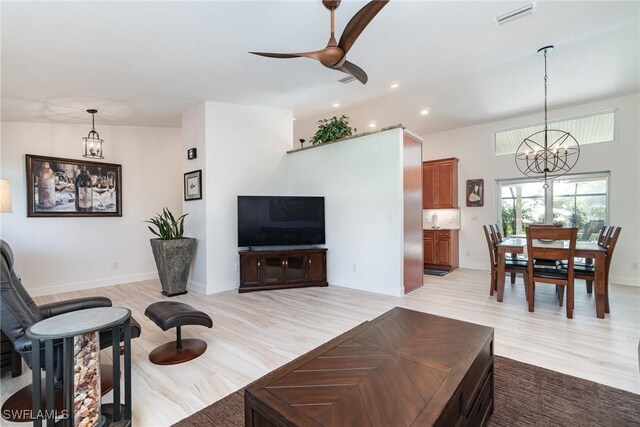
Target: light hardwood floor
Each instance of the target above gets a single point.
(257, 332)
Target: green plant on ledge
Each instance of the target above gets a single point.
(168, 228)
(332, 129)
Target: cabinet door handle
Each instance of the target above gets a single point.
(258, 263)
(309, 261)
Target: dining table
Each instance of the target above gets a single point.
(591, 251)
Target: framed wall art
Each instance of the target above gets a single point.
(70, 188)
(193, 185)
(475, 193)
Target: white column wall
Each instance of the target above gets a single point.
(361, 180)
(244, 148)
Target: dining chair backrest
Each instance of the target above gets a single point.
(488, 234)
(545, 226)
(497, 232)
(537, 248)
(612, 240)
(605, 233)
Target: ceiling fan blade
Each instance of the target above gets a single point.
(276, 55)
(313, 55)
(359, 22)
(355, 71)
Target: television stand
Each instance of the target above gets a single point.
(282, 268)
(280, 248)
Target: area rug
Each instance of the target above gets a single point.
(439, 273)
(525, 395)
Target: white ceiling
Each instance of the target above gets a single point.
(144, 63)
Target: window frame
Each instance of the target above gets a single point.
(615, 112)
(548, 193)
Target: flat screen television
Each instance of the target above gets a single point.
(280, 221)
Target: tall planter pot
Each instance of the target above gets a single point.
(173, 259)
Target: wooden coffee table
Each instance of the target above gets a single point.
(404, 368)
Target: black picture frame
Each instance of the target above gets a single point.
(192, 153)
(193, 185)
(475, 193)
(62, 193)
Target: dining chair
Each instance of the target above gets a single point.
(497, 237)
(583, 265)
(586, 271)
(545, 262)
(604, 234)
(548, 243)
(497, 231)
(513, 266)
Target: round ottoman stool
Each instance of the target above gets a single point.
(172, 314)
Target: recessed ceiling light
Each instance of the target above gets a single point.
(335, 105)
(394, 85)
(424, 112)
(372, 124)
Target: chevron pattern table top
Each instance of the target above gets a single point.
(403, 368)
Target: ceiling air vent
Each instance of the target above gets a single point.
(347, 79)
(515, 14)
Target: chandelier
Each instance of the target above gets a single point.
(549, 153)
(92, 142)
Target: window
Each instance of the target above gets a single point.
(571, 201)
(591, 129)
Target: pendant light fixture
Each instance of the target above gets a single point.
(549, 153)
(92, 142)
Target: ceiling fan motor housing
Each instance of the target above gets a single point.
(331, 4)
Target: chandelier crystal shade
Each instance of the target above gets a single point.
(549, 153)
(92, 142)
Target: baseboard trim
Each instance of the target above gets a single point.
(197, 287)
(91, 284)
(614, 280)
(222, 287)
(626, 281)
(365, 287)
(475, 266)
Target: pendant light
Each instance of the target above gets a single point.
(549, 153)
(92, 142)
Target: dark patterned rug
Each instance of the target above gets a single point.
(525, 395)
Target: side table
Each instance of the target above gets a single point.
(79, 333)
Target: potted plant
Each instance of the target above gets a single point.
(332, 129)
(173, 252)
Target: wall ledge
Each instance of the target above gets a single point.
(398, 126)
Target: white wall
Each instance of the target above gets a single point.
(245, 148)
(193, 136)
(361, 180)
(473, 145)
(61, 254)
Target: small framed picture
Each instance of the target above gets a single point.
(193, 185)
(192, 153)
(475, 193)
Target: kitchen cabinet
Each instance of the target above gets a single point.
(440, 248)
(440, 184)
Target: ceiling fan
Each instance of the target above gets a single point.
(334, 56)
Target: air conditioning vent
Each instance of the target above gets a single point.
(347, 79)
(515, 14)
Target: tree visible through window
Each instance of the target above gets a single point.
(573, 201)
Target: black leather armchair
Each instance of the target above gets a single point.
(18, 312)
